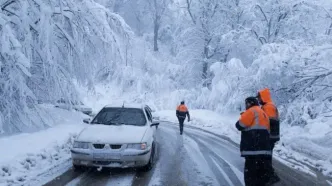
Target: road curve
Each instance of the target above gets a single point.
(197, 158)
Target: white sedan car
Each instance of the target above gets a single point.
(117, 137)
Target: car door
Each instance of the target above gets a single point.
(150, 121)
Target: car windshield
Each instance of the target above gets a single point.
(120, 116)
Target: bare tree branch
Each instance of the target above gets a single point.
(214, 10)
(189, 11)
(263, 13)
(258, 38)
(4, 5)
(4, 9)
(329, 30)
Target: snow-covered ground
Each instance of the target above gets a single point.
(26, 158)
(300, 148)
(311, 144)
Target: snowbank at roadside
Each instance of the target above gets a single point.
(301, 148)
(310, 144)
(24, 157)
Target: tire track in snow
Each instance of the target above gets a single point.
(104, 178)
(223, 172)
(171, 159)
(229, 182)
(221, 169)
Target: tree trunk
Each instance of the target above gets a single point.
(329, 30)
(205, 63)
(205, 68)
(156, 32)
(205, 74)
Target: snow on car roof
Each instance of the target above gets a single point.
(126, 105)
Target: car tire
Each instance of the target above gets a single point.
(149, 166)
(78, 168)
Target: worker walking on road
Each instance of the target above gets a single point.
(255, 147)
(264, 98)
(181, 113)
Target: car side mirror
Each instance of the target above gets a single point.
(155, 117)
(87, 120)
(154, 124)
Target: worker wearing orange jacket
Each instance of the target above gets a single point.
(264, 98)
(181, 113)
(255, 146)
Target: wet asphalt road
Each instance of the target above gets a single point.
(198, 158)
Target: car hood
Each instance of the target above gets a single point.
(119, 134)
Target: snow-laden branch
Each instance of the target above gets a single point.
(193, 19)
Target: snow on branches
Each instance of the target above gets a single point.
(45, 45)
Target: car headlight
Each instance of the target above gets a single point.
(138, 146)
(81, 145)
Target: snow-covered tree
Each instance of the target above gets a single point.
(45, 45)
(16, 96)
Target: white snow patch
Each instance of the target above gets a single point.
(120, 179)
(295, 165)
(29, 155)
(310, 144)
(329, 182)
(112, 134)
(155, 179)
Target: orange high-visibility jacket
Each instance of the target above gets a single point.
(254, 125)
(182, 111)
(271, 110)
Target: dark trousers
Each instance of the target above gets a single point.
(256, 171)
(181, 121)
(272, 173)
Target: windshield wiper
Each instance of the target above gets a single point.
(114, 123)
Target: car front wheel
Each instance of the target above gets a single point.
(149, 166)
(78, 168)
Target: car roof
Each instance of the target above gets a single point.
(126, 105)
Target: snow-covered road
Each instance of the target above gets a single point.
(196, 158)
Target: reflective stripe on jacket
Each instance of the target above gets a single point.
(255, 137)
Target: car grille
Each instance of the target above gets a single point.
(99, 146)
(115, 146)
(106, 162)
